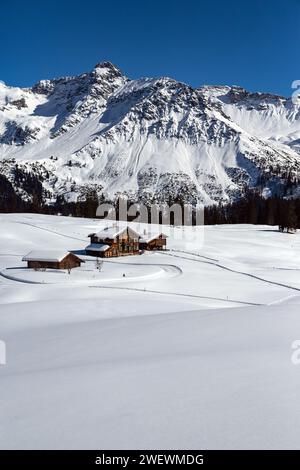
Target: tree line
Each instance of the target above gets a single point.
(253, 208)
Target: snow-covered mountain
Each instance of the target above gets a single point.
(153, 139)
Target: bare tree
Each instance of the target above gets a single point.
(99, 263)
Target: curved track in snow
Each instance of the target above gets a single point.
(190, 256)
(164, 271)
(236, 271)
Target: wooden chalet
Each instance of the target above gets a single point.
(113, 241)
(55, 259)
(153, 241)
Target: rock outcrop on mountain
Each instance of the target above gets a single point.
(152, 139)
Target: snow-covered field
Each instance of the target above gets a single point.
(190, 349)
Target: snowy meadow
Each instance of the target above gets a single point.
(191, 348)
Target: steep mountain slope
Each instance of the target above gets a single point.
(152, 139)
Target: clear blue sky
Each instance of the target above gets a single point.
(254, 44)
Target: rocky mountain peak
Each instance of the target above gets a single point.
(150, 138)
(107, 68)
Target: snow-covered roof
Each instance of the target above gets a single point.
(115, 230)
(97, 247)
(149, 236)
(46, 255)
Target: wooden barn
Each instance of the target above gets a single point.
(113, 241)
(153, 241)
(54, 259)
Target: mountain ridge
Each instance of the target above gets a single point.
(151, 139)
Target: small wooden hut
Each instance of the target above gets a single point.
(55, 259)
(153, 241)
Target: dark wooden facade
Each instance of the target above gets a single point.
(70, 261)
(123, 244)
(158, 243)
